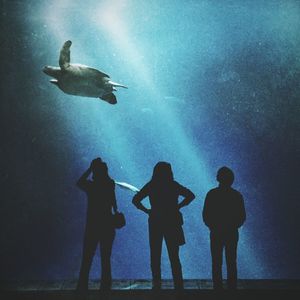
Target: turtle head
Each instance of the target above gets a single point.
(67, 44)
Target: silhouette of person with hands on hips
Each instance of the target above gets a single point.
(224, 213)
(99, 222)
(165, 220)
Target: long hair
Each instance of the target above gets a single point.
(162, 172)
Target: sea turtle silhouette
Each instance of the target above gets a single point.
(81, 80)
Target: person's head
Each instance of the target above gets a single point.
(225, 176)
(99, 168)
(162, 172)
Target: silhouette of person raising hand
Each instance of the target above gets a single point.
(165, 220)
(99, 223)
(224, 213)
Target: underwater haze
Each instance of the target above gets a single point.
(210, 84)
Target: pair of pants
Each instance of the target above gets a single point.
(91, 240)
(227, 240)
(157, 233)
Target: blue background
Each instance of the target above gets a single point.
(211, 83)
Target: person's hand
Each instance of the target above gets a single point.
(95, 162)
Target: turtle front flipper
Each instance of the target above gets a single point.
(64, 57)
(110, 98)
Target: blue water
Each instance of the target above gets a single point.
(210, 83)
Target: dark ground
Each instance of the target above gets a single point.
(141, 289)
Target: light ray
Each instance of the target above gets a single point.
(109, 20)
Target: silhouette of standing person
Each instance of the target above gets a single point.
(165, 220)
(224, 213)
(99, 223)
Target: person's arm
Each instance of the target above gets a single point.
(206, 214)
(139, 196)
(114, 200)
(242, 212)
(82, 182)
(187, 194)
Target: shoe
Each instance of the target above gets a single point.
(178, 287)
(156, 287)
(218, 288)
(81, 290)
(105, 287)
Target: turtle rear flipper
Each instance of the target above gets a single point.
(64, 57)
(110, 98)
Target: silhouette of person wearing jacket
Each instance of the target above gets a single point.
(224, 213)
(99, 223)
(165, 220)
